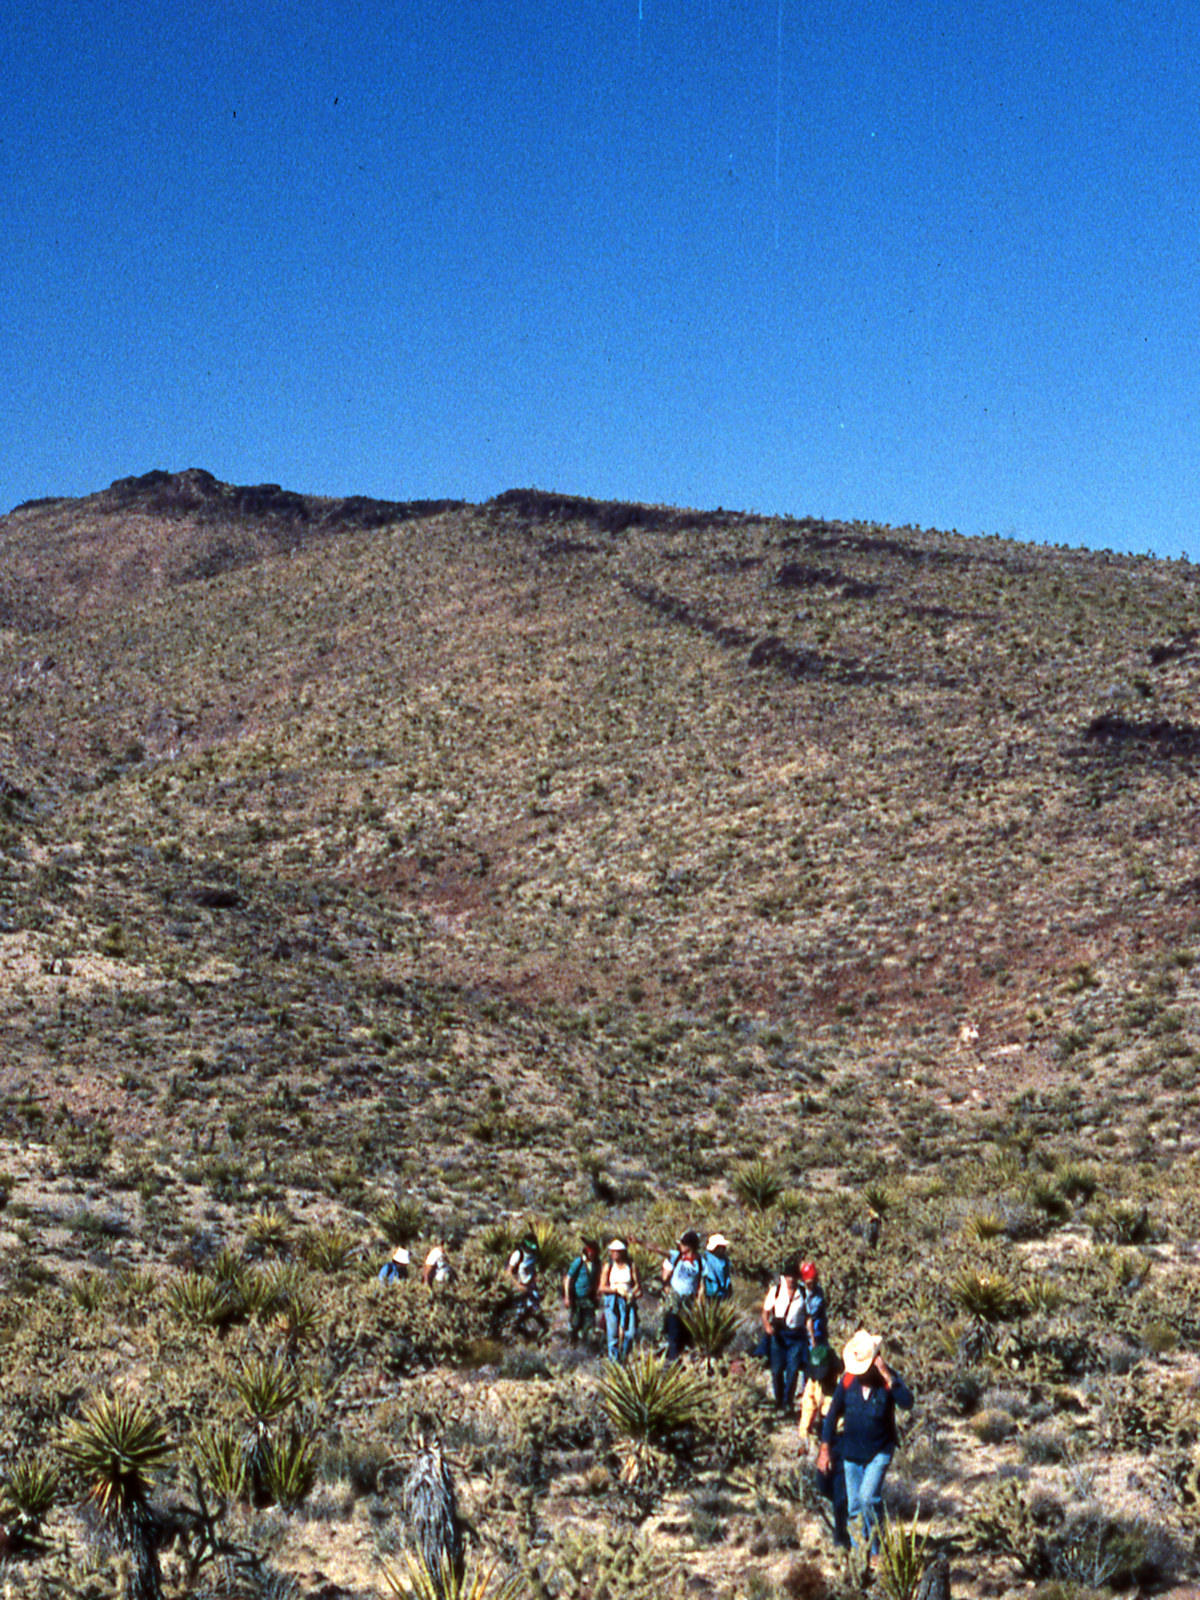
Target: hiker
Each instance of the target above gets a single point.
(816, 1312)
(522, 1269)
(821, 1372)
(580, 1290)
(620, 1291)
(864, 1404)
(714, 1268)
(785, 1320)
(396, 1269)
(683, 1280)
(437, 1271)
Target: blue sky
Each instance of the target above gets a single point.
(921, 263)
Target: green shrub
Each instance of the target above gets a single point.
(993, 1426)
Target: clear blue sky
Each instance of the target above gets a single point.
(923, 263)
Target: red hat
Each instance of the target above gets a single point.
(808, 1272)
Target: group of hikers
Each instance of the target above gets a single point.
(846, 1404)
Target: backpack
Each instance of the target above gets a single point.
(715, 1272)
(579, 1276)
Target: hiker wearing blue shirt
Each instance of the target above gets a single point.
(395, 1270)
(714, 1264)
(816, 1312)
(579, 1290)
(864, 1404)
(683, 1281)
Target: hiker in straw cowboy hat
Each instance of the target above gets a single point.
(864, 1405)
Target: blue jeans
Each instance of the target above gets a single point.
(620, 1323)
(789, 1347)
(678, 1338)
(864, 1496)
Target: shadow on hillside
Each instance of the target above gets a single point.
(769, 651)
(1121, 739)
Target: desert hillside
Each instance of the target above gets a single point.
(615, 866)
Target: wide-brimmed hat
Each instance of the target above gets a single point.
(859, 1355)
(618, 1244)
(400, 1256)
(717, 1241)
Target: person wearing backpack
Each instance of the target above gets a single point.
(580, 1284)
(620, 1291)
(785, 1320)
(522, 1270)
(683, 1283)
(395, 1270)
(714, 1268)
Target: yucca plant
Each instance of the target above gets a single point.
(713, 1325)
(269, 1232)
(116, 1444)
(401, 1221)
(1043, 1297)
(498, 1239)
(987, 1296)
(554, 1248)
(260, 1293)
(135, 1284)
(329, 1249)
(646, 1398)
(1077, 1180)
(219, 1454)
(227, 1267)
(298, 1319)
(413, 1580)
(266, 1388)
(983, 1226)
(901, 1558)
(757, 1184)
(197, 1299)
(28, 1491)
(89, 1291)
(289, 1468)
(878, 1198)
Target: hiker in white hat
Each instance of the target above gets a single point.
(714, 1268)
(395, 1270)
(620, 1289)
